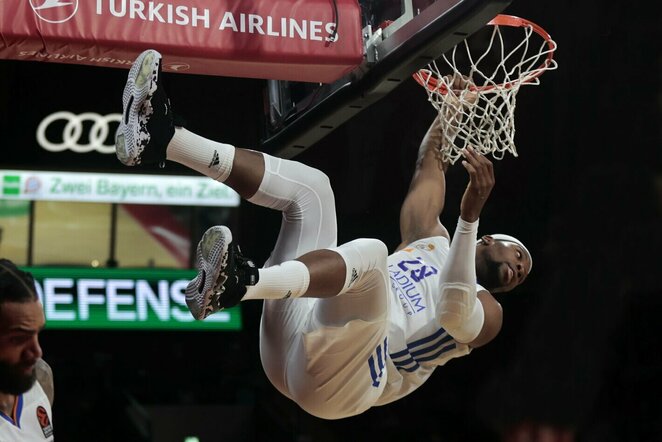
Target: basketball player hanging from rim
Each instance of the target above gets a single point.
(347, 327)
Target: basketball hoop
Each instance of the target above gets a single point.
(490, 70)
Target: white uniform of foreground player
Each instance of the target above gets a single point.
(30, 419)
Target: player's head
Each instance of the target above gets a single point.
(502, 262)
(21, 320)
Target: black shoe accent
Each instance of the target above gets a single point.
(178, 120)
(241, 272)
(159, 126)
(202, 283)
(128, 109)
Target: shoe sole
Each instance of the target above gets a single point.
(215, 241)
(140, 86)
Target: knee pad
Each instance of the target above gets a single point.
(317, 180)
(361, 256)
(286, 182)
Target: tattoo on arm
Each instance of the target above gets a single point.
(45, 379)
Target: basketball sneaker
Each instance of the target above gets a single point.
(147, 124)
(223, 274)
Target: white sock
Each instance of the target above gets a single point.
(289, 279)
(208, 157)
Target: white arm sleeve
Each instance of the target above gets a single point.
(459, 312)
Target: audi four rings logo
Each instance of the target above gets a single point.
(54, 11)
(73, 136)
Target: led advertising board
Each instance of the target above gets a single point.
(140, 299)
(115, 188)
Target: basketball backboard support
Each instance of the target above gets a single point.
(300, 114)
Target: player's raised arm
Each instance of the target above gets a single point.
(460, 312)
(419, 214)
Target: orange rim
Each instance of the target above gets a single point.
(431, 82)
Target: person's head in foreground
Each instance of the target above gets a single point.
(21, 320)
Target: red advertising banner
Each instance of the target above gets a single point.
(295, 40)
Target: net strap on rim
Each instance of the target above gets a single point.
(481, 113)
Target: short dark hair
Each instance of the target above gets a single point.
(15, 284)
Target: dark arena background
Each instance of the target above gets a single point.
(578, 358)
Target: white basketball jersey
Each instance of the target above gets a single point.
(417, 344)
(30, 420)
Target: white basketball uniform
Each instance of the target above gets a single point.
(417, 344)
(336, 357)
(31, 419)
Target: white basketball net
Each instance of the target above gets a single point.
(482, 115)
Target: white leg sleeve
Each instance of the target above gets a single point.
(458, 311)
(305, 197)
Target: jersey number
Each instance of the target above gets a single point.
(417, 270)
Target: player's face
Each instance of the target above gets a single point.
(501, 266)
(20, 324)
